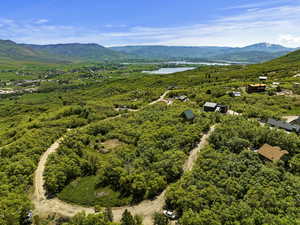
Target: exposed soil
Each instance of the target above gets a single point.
(111, 144)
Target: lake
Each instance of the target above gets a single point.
(169, 70)
(183, 63)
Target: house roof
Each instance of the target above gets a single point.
(263, 78)
(272, 153)
(188, 114)
(210, 104)
(283, 125)
(182, 97)
(236, 94)
(257, 85)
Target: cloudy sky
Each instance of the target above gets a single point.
(152, 22)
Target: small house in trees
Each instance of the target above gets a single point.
(222, 108)
(182, 98)
(188, 115)
(235, 94)
(271, 153)
(252, 88)
(284, 125)
(263, 78)
(210, 107)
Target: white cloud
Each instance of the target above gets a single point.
(259, 4)
(290, 39)
(279, 25)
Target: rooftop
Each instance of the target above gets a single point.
(257, 85)
(210, 104)
(283, 125)
(188, 114)
(272, 153)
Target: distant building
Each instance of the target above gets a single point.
(214, 107)
(188, 115)
(252, 88)
(222, 108)
(235, 94)
(263, 78)
(284, 125)
(182, 98)
(271, 153)
(210, 107)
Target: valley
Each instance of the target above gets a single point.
(95, 137)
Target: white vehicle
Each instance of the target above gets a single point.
(170, 214)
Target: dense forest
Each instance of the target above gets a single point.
(231, 184)
(122, 156)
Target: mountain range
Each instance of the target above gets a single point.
(68, 53)
(252, 54)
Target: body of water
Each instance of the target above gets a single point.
(184, 63)
(169, 70)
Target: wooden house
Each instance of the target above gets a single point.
(252, 88)
(271, 153)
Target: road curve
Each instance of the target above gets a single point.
(146, 209)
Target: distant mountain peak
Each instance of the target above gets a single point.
(265, 46)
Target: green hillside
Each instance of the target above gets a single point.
(11, 51)
(253, 54)
(80, 52)
(118, 149)
(293, 57)
(62, 53)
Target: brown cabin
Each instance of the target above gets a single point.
(272, 153)
(252, 88)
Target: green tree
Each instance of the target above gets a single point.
(109, 214)
(127, 218)
(160, 219)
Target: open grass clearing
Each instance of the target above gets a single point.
(84, 191)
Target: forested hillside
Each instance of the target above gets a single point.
(76, 52)
(119, 150)
(11, 51)
(81, 52)
(250, 54)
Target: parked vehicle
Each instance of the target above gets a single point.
(170, 214)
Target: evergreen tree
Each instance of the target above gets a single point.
(127, 218)
(109, 214)
(160, 219)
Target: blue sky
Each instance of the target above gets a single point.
(152, 22)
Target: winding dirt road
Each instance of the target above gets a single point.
(147, 208)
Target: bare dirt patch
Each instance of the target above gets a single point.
(112, 144)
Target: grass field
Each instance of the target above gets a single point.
(83, 191)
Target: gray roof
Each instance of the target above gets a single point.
(283, 125)
(236, 94)
(210, 104)
(188, 114)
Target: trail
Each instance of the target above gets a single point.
(146, 209)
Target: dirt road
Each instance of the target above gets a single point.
(147, 208)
